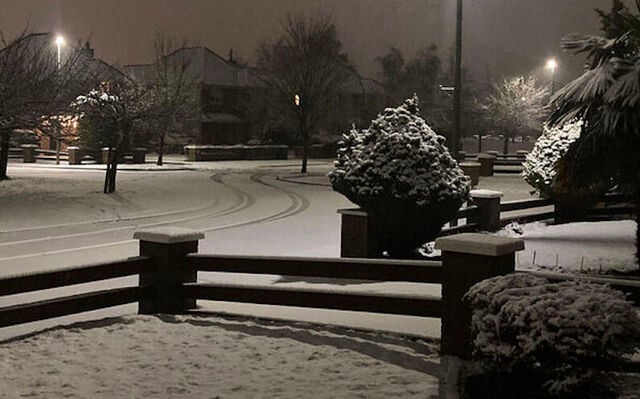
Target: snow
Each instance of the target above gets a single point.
(53, 217)
(192, 357)
(577, 247)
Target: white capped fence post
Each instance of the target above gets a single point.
(167, 247)
(466, 260)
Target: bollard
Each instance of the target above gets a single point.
(487, 161)
(167, 247)
(75, 156)
(488, 203)
(29, 153)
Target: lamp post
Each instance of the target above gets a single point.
(457, 84)
(552, 65)
(297, 101)
(59, 43)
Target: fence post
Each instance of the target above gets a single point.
(29, 153)
(487, 162)
(167, 246)
(488, 203)
(471, 169)
(466, 260)
(75, 157)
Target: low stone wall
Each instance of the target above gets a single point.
(235, 152)
(318, 151)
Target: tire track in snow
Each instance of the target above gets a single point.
(242, 201)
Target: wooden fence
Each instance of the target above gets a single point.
(168, 266)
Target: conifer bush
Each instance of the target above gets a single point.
(541, 172)
(400, 171)
(550, 339)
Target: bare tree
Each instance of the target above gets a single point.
(173, 91)
(37, 87)
(516, 104)
(304, 66)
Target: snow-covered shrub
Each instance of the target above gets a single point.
(541, 172)
(553, 335)
(540, 164)
(400, 171)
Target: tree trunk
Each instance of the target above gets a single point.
(505, 147)
(112, 169)
(5, 135)
(479, 143)
(160, 151)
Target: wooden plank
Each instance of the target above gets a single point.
(64, 306)
(525, 204)
(361, 269)
(375, 303)
(468, 211)
(528, 218)
(465, 228)
(74, 275)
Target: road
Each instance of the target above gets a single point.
(241, 211)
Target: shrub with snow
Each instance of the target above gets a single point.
(541, 172)
(540, 164)
(400, 172)
(551, 335)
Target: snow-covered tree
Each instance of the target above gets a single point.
(540, 164)
(516, 104)
(401, 173)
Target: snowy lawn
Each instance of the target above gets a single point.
(194, 357)
(590, 247)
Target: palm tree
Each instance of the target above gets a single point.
(607, 98)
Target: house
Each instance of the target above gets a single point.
(221, 83)
(226, 89)
(47, 53)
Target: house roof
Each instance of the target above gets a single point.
(204, 66)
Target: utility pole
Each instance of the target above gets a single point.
(457, 84)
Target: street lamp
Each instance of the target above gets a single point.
(552, 65)
(59, 44)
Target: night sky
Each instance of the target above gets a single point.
(502, 37)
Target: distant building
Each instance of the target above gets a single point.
(221, 84)
(225, 88)
(95, 67)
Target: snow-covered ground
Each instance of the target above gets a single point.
(191, 357)
(53, 217)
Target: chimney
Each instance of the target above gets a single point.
(231, 56)
(88, 50)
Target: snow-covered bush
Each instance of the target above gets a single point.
(540, 164)
(553, 335)
(541, 172)
(401, 173)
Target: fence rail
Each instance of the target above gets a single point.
(345, 268)
(62, 306)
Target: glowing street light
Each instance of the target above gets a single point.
(59, 43)
(552, 65)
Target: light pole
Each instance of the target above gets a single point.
(59, 44)
(552, 65)
(457, 84)
(297, 101)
